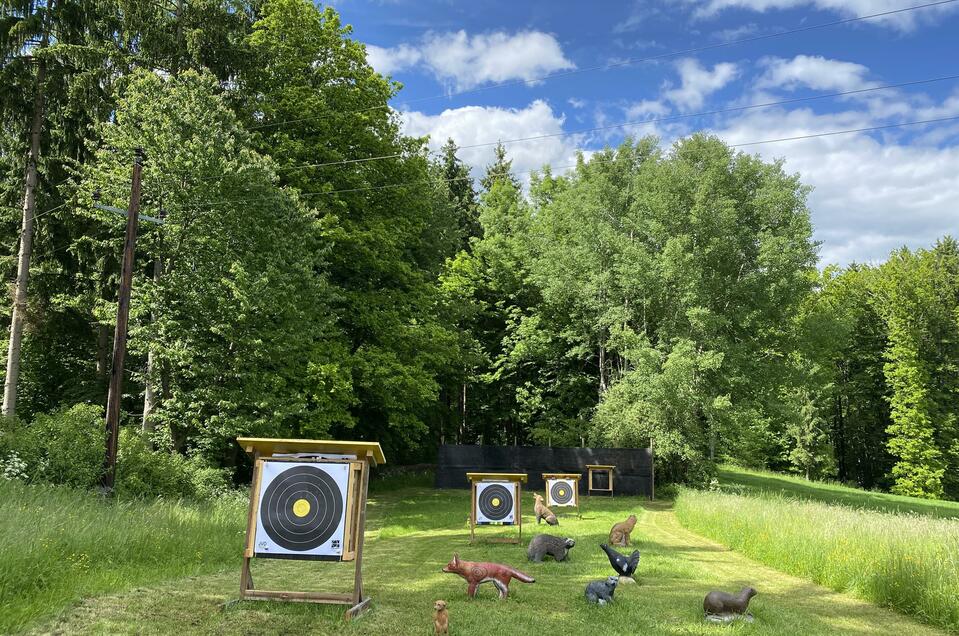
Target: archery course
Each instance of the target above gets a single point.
(412, 532)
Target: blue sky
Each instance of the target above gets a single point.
(873, 192)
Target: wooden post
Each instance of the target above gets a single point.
(360, 603)
(120, 335)
(472, 510)
(246, 577)
(519, 508)
(652, 471)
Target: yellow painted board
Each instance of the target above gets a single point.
(268, 446)
(503, 476)
(562, 476)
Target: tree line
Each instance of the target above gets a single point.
(300, 288)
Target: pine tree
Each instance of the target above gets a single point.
(462, 194)
(500, 170)
(810, 449)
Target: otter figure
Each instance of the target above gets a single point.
(721, 606)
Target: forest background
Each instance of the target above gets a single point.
(319, 274)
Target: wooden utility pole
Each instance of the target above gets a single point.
(120, 335)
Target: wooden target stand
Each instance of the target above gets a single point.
(596, 470)
(360, 456)
(573, 477)
(516, 478)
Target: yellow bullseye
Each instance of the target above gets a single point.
(301, 507)
(562, 493)
(495, 501)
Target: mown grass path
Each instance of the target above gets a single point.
(414, 532)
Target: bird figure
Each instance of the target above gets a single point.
(624, 566)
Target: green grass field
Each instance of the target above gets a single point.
(906, 561)
(59, 545)
(412, 533)
(753, 482)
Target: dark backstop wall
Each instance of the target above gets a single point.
(633, 474)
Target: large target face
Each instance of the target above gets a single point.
(495, 502)
(562, 492)
(301, 509)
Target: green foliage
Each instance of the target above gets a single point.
(238, 330)
(67, 448)
(843, 344)
(313, 99)
(669, 276)
(810, 447)
(296, 289)
(919, 295)
(462, 195)
(64, 447)
(142, 472)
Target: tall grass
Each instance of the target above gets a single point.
(904, 561)
(745, 481)
(58, 545)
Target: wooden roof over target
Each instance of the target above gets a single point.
(269, 446)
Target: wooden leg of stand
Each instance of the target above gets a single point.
(357, 609)
(246, 577)
(361, 535)
(519, 509)
(472, 512)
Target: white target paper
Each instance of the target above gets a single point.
(560, 492)
(301, 510)
(496, 502)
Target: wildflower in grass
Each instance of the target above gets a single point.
(12, 467)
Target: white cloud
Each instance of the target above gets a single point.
(697, 82)
(481, 124)
(737, 33)
(847, 8)
(389, 61)
(576, 103)
(646, 108)
(640, 13)
(870, 195)
(465, 61)
(813, 71)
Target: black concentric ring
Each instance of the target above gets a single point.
(313, 529)
(561, 492)
(496, 502)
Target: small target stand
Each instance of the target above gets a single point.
(308, 502)
(496, 500)
(600, 478)
(562, 490)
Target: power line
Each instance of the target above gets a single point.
(626, 124)
(628, 62)
(450, 180)
(844, 132)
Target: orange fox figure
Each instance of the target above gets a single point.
(476, 573)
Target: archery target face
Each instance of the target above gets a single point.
(302, 510)
(496, 502)
(562, 492)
